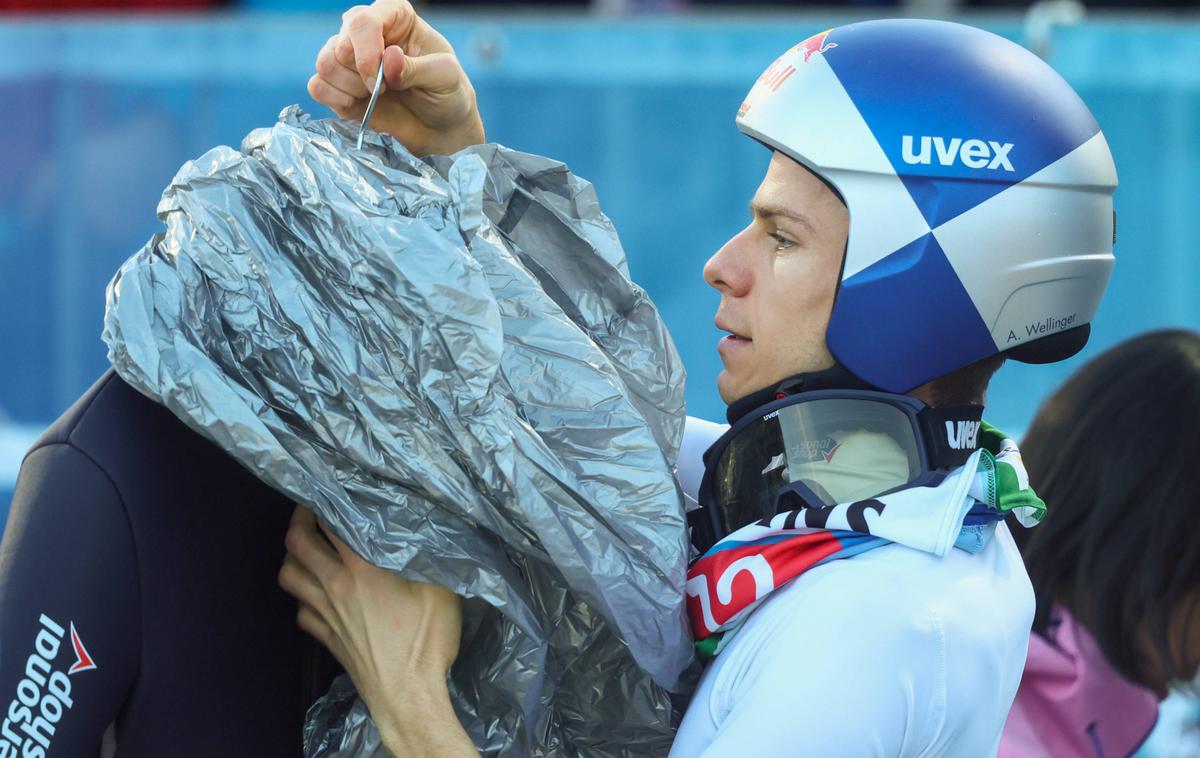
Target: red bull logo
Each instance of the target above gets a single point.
(815, 45)
(776, 74)
(782, 69)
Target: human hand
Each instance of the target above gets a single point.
(428, 102)
(396, 638)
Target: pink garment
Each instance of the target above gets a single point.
(1072, 704)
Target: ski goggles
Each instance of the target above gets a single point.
(821, 448)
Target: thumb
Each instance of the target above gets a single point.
(435, 72)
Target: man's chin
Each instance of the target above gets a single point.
(732, 389)
(726, 387)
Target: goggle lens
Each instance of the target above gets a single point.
(832, 450)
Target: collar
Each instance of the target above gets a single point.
(1072, 702)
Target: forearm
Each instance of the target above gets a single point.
(423, 725)
(396, 638)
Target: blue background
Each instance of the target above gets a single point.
(98, 115)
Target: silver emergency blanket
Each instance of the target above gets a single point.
(447, 361)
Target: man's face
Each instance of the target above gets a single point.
(777, 278)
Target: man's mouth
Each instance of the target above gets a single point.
(733, 337)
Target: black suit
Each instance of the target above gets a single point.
(161, 552)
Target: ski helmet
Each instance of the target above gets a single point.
(979, 188)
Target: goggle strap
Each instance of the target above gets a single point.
(951, 434)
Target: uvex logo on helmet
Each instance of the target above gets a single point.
(974, 153)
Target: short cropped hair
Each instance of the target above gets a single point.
(967, 385)
(1114, 453)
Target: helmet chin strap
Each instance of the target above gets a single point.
(836, 377)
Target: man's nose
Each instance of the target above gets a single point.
(727, 270)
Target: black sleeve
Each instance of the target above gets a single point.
(69, 607)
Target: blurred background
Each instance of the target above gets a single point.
(102, 101)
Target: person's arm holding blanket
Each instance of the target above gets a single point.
(396, 638)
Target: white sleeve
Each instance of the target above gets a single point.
(828, 690)
(698, 435)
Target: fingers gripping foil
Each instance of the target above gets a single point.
(447, 361)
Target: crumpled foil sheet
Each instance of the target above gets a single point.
(447, 361)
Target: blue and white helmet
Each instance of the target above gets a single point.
(979, 190)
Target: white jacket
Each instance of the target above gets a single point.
(894, 652)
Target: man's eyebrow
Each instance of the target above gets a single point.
(767, 212)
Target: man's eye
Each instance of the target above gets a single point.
(784, 242)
